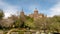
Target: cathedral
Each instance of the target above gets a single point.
(35, 15)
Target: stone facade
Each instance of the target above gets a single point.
(22, 15)
(35, 15)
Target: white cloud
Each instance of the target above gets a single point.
(8, 9)
(55, 10)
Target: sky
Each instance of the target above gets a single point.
(14, 7)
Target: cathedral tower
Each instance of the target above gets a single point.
(22, 13)
(35, 14)
(35, 11)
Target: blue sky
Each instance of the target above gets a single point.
(48, 7)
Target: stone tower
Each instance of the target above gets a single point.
(22, 15)
(35, 13)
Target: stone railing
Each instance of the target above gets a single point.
(17, 31)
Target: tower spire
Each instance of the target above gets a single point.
(35, 11)
(35, 8)
(22, 10)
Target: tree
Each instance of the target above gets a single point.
(43, 23)
(39, 23)
(1, 14)
(1, 17)
(56, 23)
(17, 23)
(29, 22)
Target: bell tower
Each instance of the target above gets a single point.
(35, 11)
(35, 14)
(22, 13)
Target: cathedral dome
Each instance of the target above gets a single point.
(35, 9)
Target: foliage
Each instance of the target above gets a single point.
(41, 23)
(56, 23)
(29, 23)
(17, 23)
(50, 23)
(1, 14)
